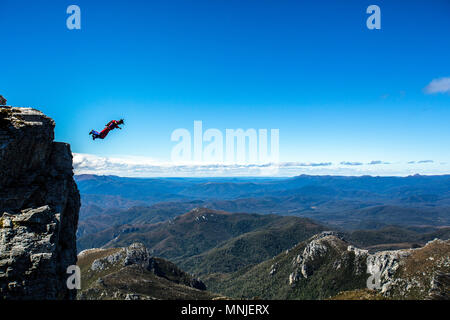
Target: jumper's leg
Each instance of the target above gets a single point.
(94, 134)
(103, 133)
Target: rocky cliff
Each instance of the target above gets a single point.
(39, 204)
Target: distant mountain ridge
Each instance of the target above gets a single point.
(229, 188)
(350, 203)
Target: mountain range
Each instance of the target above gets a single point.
(110, 203)
(249, 237)
(344, 202)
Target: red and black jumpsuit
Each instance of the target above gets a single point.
(113, 124)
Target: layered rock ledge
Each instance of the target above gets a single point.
(39, 204)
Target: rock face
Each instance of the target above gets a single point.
(421, 273)
(318, 251)
(39, 204)
(383, 266)
(317, 247)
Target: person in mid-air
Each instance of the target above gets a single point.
(113, 124)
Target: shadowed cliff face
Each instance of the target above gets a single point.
(39, 204)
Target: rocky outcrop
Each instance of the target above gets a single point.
(135, 254)
(317, 248)
(39, 204)
(382, 267)
(138, 255)
(440, 286)
(131, 273)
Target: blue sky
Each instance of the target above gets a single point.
(337, 91)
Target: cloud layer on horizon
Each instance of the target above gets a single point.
(148, 167)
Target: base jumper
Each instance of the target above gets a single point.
(113, 124)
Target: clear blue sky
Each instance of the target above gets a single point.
(336, 90)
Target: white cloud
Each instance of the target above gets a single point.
(441, 85)
(425, 161)
(374, 162)
(349, 163)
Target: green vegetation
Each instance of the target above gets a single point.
(359, 294)
(252, 247)
(403, 237)
(192, 233)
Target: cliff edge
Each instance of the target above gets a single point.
(39, 204)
